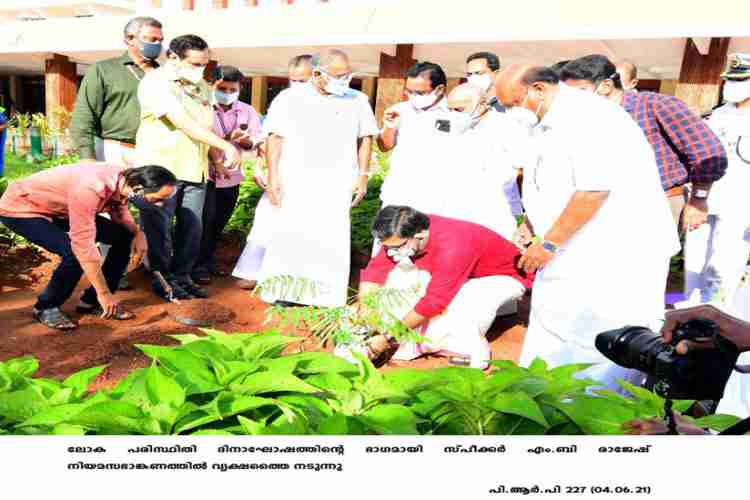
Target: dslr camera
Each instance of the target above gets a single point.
(700, 375)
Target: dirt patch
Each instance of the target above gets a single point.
(108, 342)
(201, 312)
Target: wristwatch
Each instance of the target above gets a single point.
(549, 246)
(700, 193)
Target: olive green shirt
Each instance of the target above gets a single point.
(159, 142)
(107, 104)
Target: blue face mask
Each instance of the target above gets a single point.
(150, 50)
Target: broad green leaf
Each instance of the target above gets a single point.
(682, 405)
(367, 370)
(54, 415)
(69, 430)
(567, 429)
(427, 402)
(652, 403)
(499, 381)
(64, 396)
(212, 432)
(210, 349)
(225, 405)
(162, 389)
(333, 383)
(228, 372)
(114, 417)
(336, 425)
(284, 364)
(252, 427)
(595, 415)
(190, 371)
(22, 367)
(81, 380)
(125, 384)
(411, 380)
(353, 403)
(312, 407)
(265, 382)
(165, 414)
(533, 386)
(519, 403)
(322, 362)
(284, 425)
(514, 425)
(18, 406)
(390, 419)
(45, 387)
(718, 422)
(265, 345)
(568, 371)
(538, 366)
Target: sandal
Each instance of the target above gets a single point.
(86, 309)
(54, 318)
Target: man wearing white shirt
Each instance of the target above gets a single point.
(605, 230)
(409, 129)
(485, 160)
(318, 153)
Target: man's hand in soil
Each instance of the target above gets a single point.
(534, 258)
(110, 305)
(140, 248)
(695, 214)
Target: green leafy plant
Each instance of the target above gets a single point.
(244, 384)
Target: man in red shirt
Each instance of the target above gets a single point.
(461, 273)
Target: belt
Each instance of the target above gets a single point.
(675, 191)
(121, 143)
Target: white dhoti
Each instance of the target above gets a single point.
(461, 328)
(310, 240)
(567, 313)
(251, 259)
(715, 258)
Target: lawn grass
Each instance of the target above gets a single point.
(17, 167)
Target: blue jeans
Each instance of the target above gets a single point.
(175, 256)
(53, 237)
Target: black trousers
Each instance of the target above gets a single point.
(182, 215)
(53, 237)
(217, 211)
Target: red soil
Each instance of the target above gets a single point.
(24, 272)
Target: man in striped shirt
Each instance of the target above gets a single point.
(686, 149)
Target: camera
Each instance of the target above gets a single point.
(700, 374)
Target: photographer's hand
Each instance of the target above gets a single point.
(657, 426)
(733, 329)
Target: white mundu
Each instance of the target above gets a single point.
(717, 252)
(612, 272)
(483, 173)
(317, 171)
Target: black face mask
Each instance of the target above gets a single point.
(140, 202)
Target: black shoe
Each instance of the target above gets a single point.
(54, 318)
(178, 292)
(286, 303)
(194, 290)
(124, 283)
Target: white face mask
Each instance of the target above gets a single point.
(420, 102)
(524, 116)
(462, 122)
(402, 257)
(482, 82)
(192, 74)
(337, 86)
(736, 91)
(226, 99)
(296, 84)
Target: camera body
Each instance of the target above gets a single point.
(700, 374)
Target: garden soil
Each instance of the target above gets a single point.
(25, 271)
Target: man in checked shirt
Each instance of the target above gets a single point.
(687, 151)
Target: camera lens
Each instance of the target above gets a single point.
(631, 347)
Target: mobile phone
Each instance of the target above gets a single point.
(243, 126)
(443, 125)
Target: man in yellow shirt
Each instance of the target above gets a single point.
(176, 133)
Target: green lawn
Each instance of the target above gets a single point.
(17, 168)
